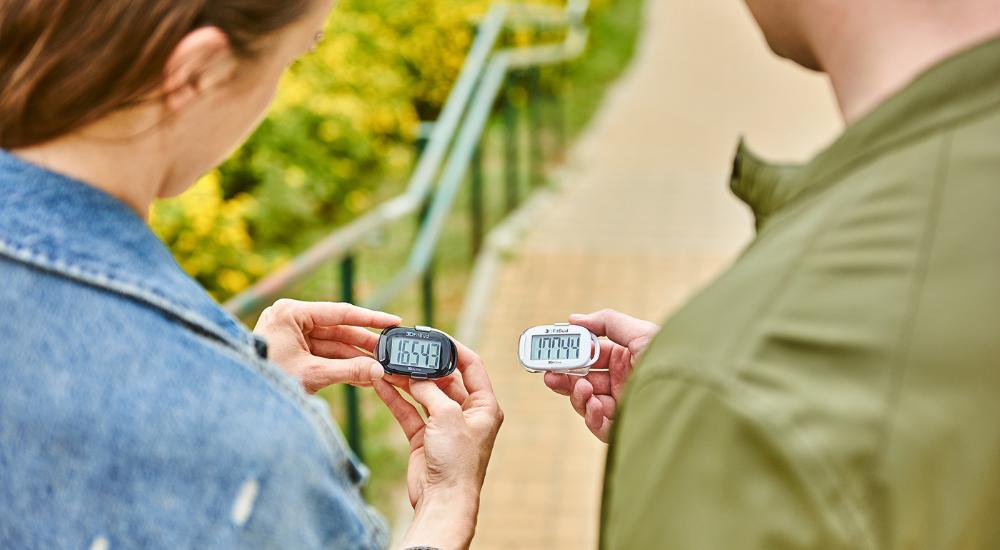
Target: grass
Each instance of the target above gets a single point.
(614, 33)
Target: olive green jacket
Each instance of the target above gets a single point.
(839, 386)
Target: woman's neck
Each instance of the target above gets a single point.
(131, 169)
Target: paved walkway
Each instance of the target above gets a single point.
(643, 219)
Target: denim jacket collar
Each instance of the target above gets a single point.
(64, 226)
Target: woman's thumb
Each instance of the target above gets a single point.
(358, 370)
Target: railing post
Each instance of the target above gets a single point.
(535, 127)
(347, 276)
(427, 280)
(559, 99)
(476, 200)
(512, 165)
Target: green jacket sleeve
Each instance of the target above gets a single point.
(688, 470)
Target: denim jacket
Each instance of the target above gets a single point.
(136, 413)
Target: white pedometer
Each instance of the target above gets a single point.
(562, 347)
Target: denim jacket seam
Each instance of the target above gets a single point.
(217, 339)
(337, 447)
(119, 286)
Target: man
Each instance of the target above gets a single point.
(839, 386)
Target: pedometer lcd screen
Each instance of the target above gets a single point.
(417, 352)
(559, 347)
(413, 352)
(548, 347)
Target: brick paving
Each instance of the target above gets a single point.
(642, 219)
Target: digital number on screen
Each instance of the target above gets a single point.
(547, 348)
(413, 352)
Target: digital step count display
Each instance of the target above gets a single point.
(561, 347)
(417, 352)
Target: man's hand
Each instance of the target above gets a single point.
(449, 451)
(595, 396)
(323, 343)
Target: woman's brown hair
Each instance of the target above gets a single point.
(67, 63)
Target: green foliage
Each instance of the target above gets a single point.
(209, 236)
(338, 139)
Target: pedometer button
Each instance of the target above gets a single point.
(560, 324)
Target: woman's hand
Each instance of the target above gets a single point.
(449, 451)
(595, 396)
(323, 343)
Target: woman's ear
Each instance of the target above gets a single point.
(201, 60)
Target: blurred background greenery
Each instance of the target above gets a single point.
(340, 139)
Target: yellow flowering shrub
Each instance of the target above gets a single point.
(338, 139)
(209, 236)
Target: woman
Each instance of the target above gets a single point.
(134, 412)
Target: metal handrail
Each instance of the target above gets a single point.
(465, 146)
(475, 91)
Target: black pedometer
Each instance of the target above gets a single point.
(417, 352)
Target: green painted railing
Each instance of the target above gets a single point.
(450, 148)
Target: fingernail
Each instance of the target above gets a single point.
(376, 371)
(576, 315)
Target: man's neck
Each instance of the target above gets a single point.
(874, 54)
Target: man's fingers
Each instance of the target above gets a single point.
(563, 383)
(608, 405)
(582, 392)
(433, 399)
(326, 372)
(601, 381)
(618, 327)
(559, 383)
(355, 336)
(596, 421)
(604, 361)
(406, 414)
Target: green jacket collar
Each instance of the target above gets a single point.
(957, 89)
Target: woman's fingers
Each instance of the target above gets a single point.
(312, 314)
(406, 414)
(332, 349)
(325, 372)
(473, 372)
(454, 387)
(465, 355)
(433, 399)
(451, 385)
(355, 336)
